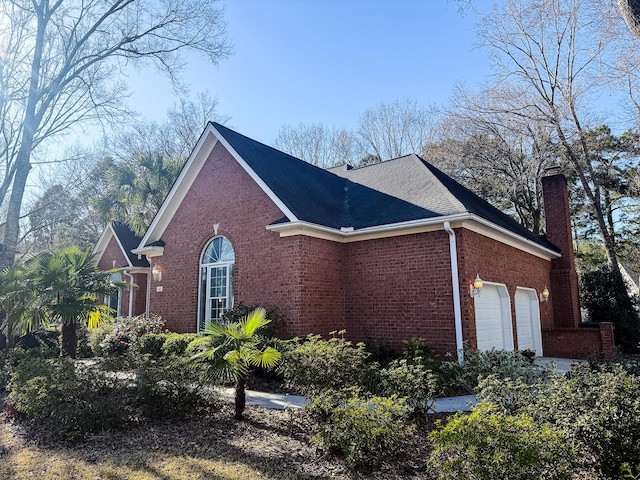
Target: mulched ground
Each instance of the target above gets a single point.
(274, 443)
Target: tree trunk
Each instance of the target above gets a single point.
(241, 399)
(68, 340)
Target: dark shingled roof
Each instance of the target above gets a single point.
(400, 190)
(129, 241)
(317, 196)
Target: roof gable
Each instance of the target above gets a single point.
(126, 240)
(390, 193)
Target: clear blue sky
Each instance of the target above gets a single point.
(300, 61)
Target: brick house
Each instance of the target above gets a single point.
(389, 251)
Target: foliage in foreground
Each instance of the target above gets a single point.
(365, 430)
(485, 445)
(597, 410)
(66, 400)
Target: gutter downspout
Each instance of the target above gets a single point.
(130, 293)
(149, 278)
(455, 281)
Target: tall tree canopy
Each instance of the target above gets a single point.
(61, 60)
(551, 54)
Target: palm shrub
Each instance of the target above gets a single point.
(63, 288)
(235, 348)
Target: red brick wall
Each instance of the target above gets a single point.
(499, 263)
(564, 280)
(266, 266)
(140, 294)
(398, 288)
(579, 343)
(113, 253)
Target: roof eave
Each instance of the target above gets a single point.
(154, 251)
(466, 220)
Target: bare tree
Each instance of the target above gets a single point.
(395, 129)
(551, 53)
(318, 144)
(60, 64)
(498, 155)
(630, 10)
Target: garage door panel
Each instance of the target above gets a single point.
(493, 318)
(528, 320)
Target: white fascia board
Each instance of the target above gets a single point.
(465, 220)
(369, 233)
(501, 234)
(133, 270)
(188, 174)
(103, 241)
(272, 196)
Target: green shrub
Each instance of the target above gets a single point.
(177, 343)
(365, 430)
(314, 364)
(603, 294)
(477, 364)
(417, 348)
(599, 410)
(149, 344)
(11, 358)
(485, 445)
(97, 336)
(67, 402)
(198, 344)
(126, 330)
(412, 381)
(170, 387)
(379, 351)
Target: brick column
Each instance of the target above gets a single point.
(564, 280)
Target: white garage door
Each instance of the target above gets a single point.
(493, 318)
(528, 320)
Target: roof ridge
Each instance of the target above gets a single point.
(450, 196)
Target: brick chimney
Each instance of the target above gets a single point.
(564, 280)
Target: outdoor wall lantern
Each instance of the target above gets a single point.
(544, 296)
(157, 273)
(476, 287)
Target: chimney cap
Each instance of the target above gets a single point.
(552, 170)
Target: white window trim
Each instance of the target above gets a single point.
(230, 266)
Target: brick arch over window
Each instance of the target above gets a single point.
(216, 281)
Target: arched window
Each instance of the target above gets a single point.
(216, 278)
